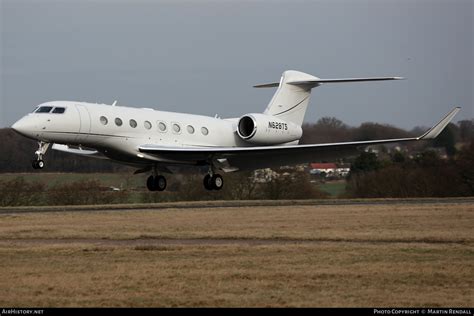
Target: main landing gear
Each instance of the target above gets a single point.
(156, 183)
(38, 163)
(211, 181)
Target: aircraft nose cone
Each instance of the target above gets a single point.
(22, 127)
(18, 126)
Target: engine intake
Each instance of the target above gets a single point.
(247, 127)
(262, 129)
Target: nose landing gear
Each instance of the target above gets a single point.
(38, 163)
(214, 182)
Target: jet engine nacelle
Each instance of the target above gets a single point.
(264, 129)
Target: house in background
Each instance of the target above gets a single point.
(268, 174)
(329, 169)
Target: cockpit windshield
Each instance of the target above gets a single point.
(59, 110)
(50, 109)
(44, 109)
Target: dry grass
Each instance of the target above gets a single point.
(378, 255)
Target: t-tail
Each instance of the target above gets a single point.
(291, 99)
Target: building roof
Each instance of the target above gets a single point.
(327, 165)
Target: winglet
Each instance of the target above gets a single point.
(438, 128)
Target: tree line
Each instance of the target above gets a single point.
(185, 187)
(425, 174)
(330, 129)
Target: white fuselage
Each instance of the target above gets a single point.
(98, 126)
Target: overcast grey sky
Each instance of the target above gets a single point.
(203, 56)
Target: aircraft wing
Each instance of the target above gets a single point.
(255, 157)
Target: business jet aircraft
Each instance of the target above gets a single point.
(154, 140)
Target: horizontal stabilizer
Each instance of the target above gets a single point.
(339, 80)
(318, 81)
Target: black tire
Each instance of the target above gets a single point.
(160, 183)
(40, 164)
(150, 183)
(207, 182)
(217, 182)
(34, 164)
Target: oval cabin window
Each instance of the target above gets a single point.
(104, 120)
(176, 128)
(204, 131)
(147, 125)
(133, 123)
(190, 129)
(118, 121)
(162, 126)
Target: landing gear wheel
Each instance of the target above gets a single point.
(160, 183)
(217, 182)
(213, 183)
(150, 183)
(207, 182)
(157, 183)
(38, 164)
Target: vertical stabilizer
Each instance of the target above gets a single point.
(291, 101)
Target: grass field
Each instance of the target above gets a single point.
(334, 188)
(355, 255)
(118, 180)
(128, 181)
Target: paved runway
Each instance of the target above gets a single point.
(217, 241)
(233, 203)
